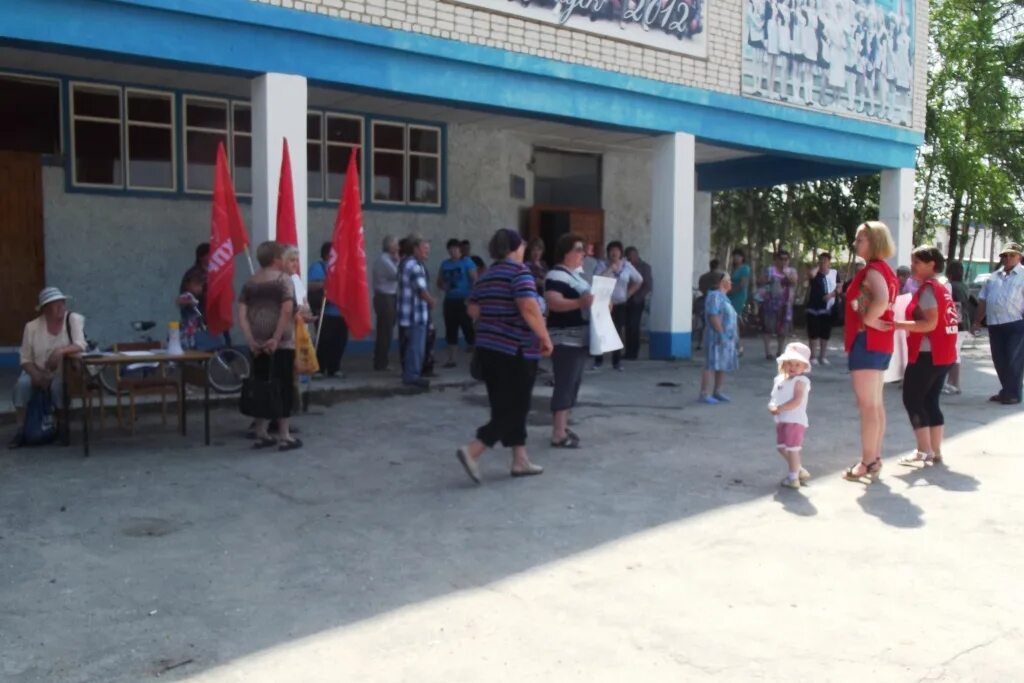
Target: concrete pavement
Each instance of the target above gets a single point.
(663, 550)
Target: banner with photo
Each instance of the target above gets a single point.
(842, 56)
(672, 25)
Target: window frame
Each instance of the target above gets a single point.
(439, 155)
(321, 153)
(407, 154)
(387, 150)
(185, 129)
(230, 149)
(326, 144)
(73, 119)
(172, 126)
(14, 75)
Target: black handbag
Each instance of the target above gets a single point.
(262, 398)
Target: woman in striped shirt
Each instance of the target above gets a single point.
(510, 338)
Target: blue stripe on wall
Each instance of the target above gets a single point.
(250, 38)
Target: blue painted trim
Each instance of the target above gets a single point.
(767, 171)
(10, 360)
(670, 345)
(250, 37)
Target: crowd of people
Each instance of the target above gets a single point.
(518, 310)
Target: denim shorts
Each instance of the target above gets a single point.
(862, 359)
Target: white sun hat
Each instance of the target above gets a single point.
(48, 296)
(798, 352)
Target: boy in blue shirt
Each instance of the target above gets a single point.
(455, 278)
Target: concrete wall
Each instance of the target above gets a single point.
(122, 257)
(720, 71)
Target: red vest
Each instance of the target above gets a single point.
(943, 337)
(877, 340)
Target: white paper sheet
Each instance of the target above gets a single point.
(900, 355)
(603, 336)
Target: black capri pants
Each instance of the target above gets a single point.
(283, 369)
(568, 364)
(922, 388)
(509, 381)
(455, 317)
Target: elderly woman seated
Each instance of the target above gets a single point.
(46, 340)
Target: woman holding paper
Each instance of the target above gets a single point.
(720, 337)
(568, 297)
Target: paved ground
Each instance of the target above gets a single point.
(662, 551)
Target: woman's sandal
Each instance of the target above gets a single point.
(918, 457)
(569, 441)
(290, 445)
(871, 470)
(263, 442)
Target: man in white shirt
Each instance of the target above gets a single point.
(385, 289)
(44, 344)
(1001, 301)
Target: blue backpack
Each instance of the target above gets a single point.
(40, 425)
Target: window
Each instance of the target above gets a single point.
(96, 136)
(406, 164)
(30, 115)
(206, 126)
(242, 151)
(566, 178)
(314, 155)
(150, 140)
(343, 135)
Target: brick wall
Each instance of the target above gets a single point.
(719, 72)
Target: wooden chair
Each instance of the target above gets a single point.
(158, 384)
(84, 389)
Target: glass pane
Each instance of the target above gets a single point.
(567, 178)
(388, 177)
(149, 157)
(386, 136)
(337, 164)
(243, 164)
(149, 108)
(243, 118)
(423, 175)
(91, 101)
(98, 153)
(340, 129)
(29, 116)
(201, 153)
(424, 140)
(312, 126)
(314, 173)
(206, 114)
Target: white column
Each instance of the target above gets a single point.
(672, 228)
(701, 234)
(896, 210)
(278, 113)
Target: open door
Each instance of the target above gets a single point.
(551, 222)
(22, 273)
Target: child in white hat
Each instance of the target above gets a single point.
(789, 406)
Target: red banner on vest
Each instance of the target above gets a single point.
(346, 285)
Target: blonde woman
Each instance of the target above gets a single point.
(869, 334)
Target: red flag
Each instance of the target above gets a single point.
(346, 285)
(286, 230)
(225, 225)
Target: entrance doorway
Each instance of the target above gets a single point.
(21, 242)
(551, 222)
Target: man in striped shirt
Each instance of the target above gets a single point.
(414, 304)
(1001, 300)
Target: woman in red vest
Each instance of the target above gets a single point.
(932, 323)
(869, 335)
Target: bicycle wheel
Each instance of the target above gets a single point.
(227, 370)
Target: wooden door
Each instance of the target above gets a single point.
(22, 272)
(551, 222)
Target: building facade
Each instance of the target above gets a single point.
(613, 118)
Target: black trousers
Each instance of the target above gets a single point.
(1007, 344)
(384, 306)
(634, 315)
(456, 317)
(619, 320)
(331, 345)
(282, 370)
(922, 389)
(509, 381)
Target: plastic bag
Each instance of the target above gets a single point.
(305, 353)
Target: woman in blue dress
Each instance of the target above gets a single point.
(720, 337)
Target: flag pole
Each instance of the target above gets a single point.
(320, 324)
(248, 259)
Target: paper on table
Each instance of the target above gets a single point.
(136, 353)
(603, 335)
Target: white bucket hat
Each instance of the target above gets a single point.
(48, 296)
(797, 351)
